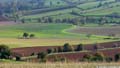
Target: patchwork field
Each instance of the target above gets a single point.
(45, 35)
(59, 33)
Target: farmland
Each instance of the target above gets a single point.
(66, 31)
(46, 35)
(98, 30)
(88, 10)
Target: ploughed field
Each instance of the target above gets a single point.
(105, 31)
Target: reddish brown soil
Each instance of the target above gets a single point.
(79, 56)
(98, 30)
(3, 23)
(3, 18)
(27, 51)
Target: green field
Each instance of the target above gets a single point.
(45, 35)
(90, 8)
(52, 34)
(40, 30)
(54, 3)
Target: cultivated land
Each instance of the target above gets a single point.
(46, 35)
(98, 30)
(53, 34)
(89, 8)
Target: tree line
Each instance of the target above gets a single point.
(5, 53)
(101, 20)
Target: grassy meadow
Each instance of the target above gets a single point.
(45, 35)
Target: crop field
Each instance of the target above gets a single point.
(89, 10)
(92, 4)
(16, 43)
(49, 13)
(45, 35)
(54, 3)
(100, 11)
(98, 30)
(59, 33)
(56, 65)
(40, 30)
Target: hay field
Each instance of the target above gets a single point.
(56, 65)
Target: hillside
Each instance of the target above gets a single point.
(43, 32)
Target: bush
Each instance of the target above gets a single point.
(87, 57)
(18, 58)
(41, 55)
(109, 59)
(32, 54)
(117, 57)
(55, 50)
(50, 51)
(25, 35)
(67, 48)
(60, 49)
(96, 47)
(32, 35)
(79, 47)
(4, 52)
(99, 57)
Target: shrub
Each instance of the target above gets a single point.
(95, 46)
(4, 52)
(23, 20)
(41, 55)
(18, 58)
(49, 51)
(32, 35)
(88, 35)
(67, 48)
(32, 54)
(55, 50)
(108, 59)
(98, 57)
(79, 47)
(87, 57)
(117, 57)
(60, 49)
(25, 35)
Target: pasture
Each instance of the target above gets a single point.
(45, 35)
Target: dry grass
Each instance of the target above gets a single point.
(55, 65)
(13, 43)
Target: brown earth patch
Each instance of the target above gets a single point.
(97, 30)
